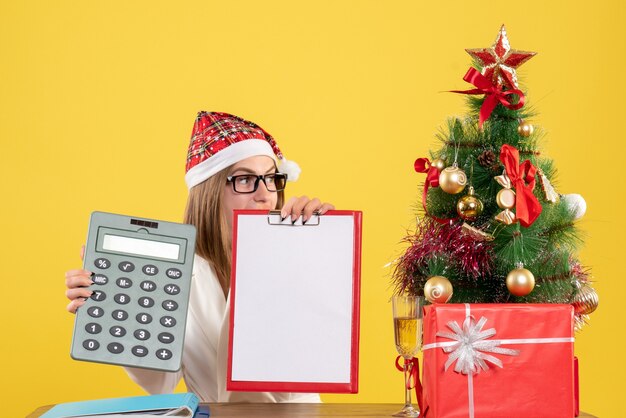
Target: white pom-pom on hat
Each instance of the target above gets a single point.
(291, 168)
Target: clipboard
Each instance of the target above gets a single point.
(295, 303)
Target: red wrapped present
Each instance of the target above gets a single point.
(498, 360)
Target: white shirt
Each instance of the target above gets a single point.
(205, 354)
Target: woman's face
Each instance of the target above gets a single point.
(261, 199)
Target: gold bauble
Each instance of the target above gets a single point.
(586, 300)
(525, 129)
(520, 282)
(505, 199)
(438, 289)
(438, 163)
(469, 207)
(452, 180)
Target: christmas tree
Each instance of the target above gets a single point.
(493, 227)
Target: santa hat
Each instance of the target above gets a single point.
(219, 140)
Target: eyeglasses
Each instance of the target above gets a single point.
(249, 183)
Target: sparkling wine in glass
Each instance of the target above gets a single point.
(407, 325)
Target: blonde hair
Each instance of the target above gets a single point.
(213, 237)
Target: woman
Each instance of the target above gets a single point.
(231, 164)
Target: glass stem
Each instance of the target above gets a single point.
(407, 383)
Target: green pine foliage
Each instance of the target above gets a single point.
(547, 247)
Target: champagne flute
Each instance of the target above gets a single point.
(407, 324)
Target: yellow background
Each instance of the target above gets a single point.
(97, 101)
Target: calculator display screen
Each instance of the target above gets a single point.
(143, 247)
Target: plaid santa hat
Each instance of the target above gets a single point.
(219, 140)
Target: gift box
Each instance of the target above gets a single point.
(498, 360)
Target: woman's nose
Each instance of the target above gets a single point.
(261, 193)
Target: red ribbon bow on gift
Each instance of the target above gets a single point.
(527, 207)
(493, 94)
(423, 165)
(414, 379)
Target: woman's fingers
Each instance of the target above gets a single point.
(294, 207)
(75, 304)
(77, 282)
(78, 278)
(311, 206)
(79, 292)
(286, 209)
(304, 206)
(325, 208)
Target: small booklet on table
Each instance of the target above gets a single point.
(171, 405)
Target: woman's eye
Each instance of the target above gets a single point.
(270, 179)
(244, 180)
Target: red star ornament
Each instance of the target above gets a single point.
(500, 61)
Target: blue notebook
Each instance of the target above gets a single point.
(186, 403)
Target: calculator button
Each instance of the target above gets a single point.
(139, 351)
(124, 282)
(169, 305)
(168, 321)
(166, 337)
(146, 302)
(173, 273)
(141, 334)
(164, 354)
(115, 348)
(91, 345)
(102, 263)
(93, 328)
(150, 270)
(126, 266)
(98, 295)
(143, 318)
(171, 289)
(117, 331)
(95, 311)
(99, 279)
(120, 315)
(148, 286)
(121, 298)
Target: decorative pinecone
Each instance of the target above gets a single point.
(487, 158)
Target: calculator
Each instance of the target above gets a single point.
(141, 282)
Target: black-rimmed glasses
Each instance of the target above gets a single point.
(249, 183)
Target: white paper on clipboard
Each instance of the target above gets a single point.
(295, 294)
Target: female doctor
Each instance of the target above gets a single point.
(232, 164)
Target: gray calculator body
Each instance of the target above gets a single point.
(137, 313)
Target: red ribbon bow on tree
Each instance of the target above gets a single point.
(493, 94)
(422, 165)
(414, 379)
(527, 207)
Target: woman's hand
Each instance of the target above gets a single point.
(304, 206)
(77, 282)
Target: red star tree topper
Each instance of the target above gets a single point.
(500, 61)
